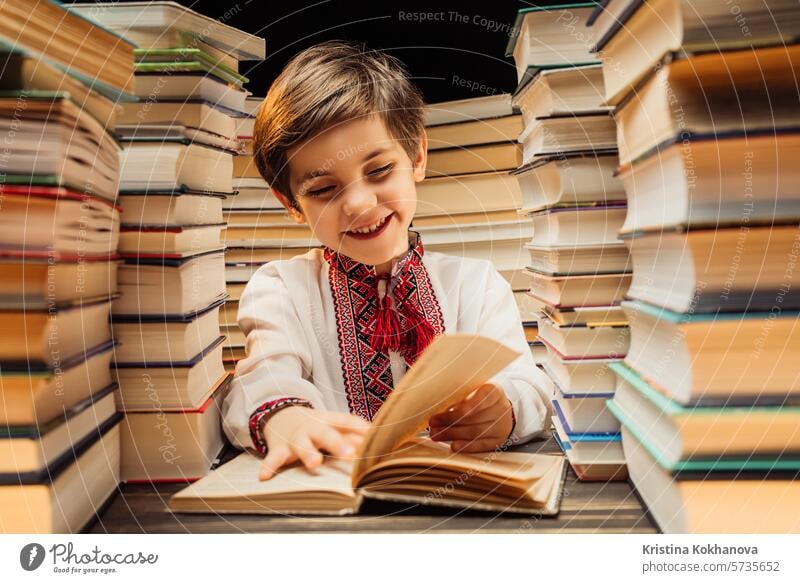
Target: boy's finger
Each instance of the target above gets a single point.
(486, 388)
(475, 446)
(331, 441)
(482, 392)
(353, 439)
(491, 414)
(276, 457)
(304, 449)
(462, 432)
(482, 399)
(346, 421)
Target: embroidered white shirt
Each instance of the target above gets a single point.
(288, 314)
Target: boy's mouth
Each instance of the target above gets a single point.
(371, 231)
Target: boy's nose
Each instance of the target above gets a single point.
(358, 197)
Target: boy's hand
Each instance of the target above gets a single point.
(302, 433)
(481, 422)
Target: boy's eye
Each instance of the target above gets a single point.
(320, 191)
(381, 170)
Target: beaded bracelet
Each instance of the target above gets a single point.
(259, 418)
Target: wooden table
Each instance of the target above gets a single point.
(586, 507)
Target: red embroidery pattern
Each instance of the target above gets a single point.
(367, 373)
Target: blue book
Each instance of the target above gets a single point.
(578, 436)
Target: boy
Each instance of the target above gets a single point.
(340, 138)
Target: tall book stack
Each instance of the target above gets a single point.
(259, 230)
(59, 226)
(578, 269)
(468, 205)
(177, 167)
(709, 140)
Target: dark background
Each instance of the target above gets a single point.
(461, 55)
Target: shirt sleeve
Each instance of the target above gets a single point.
(277, 367)
(528, 388)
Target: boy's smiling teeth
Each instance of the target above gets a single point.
(372, 227)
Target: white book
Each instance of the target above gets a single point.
(40, 507)
(170, 385)
(564, 180)
(563, 91)
(172, 166)
(682, 506)
(164, 338)
(579, 260)
(587, 414)
(200, 116)
(171, 209)
(573, 291)
(29, 451)
(160, 17)
(187, 453)
(187, 88)
(551, 36)
(592, 460)
(485, 192)
(687, 27)
(55, 137)
(86, 227)
(574, 226)
(476, 232)
(585, 341)
(468, 109)
(581, 377)
(251, 197)
(568, 134)
(715, 180)
(182, 241)
(193, 284)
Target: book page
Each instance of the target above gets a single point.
(239, 479)
(446, 372)
(504, 465)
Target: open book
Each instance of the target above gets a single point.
(394, 462)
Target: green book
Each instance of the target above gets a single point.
(736, 437)
(691, 317)
(523, 11)
(176, 59)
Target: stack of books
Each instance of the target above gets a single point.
(60, 78)
(708, 393)
(468, 205)
(259, 230)
(177, 167)
(578, 269)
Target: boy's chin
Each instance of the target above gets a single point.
(368, 256)
(372, 252)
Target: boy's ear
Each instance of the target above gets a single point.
(294, 209)
(422, 158)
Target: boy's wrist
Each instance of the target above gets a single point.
(265, 412)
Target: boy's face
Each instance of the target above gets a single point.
(354, 177)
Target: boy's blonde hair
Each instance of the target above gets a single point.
(326, 85)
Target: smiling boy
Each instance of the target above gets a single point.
(340, 138)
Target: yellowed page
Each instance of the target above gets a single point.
(504, 465)
(449, 369)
